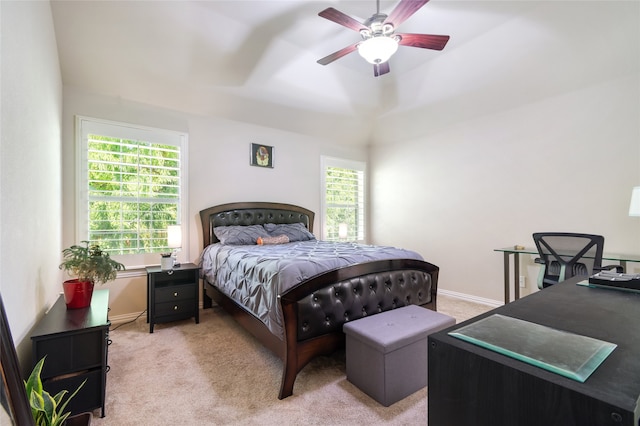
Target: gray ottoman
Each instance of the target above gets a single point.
(387, 352)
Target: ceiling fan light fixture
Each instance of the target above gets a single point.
(377, 50)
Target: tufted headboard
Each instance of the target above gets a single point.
(251, 213)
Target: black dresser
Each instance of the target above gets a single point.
(75, 342)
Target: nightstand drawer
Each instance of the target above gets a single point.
(176, 307)
(176, 293)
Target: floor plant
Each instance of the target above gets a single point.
(47, 410)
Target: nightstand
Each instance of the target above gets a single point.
(75, 342)
(172, 294)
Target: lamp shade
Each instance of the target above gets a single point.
(377, 50)
(634, 206)
(174, 236)
(342, 230)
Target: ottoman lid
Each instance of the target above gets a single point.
(390, 330)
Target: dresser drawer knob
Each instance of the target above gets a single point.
(175, 308)
(175, 294)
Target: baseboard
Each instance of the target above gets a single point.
(130, 317)
(121, 319)
(470, 298)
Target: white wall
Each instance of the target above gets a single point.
(30, 182)
(219, 170)
(566, 163)
(553, 145)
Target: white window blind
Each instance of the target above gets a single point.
(344, 200)
(131, 185)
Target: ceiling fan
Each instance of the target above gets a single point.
(379, 39)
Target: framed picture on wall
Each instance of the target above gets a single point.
(261, 155)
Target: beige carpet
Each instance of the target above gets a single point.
(215, 373)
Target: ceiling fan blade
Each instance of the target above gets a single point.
(403, 11)
(339, 54)
(342, 19)
(380, 69)
(425, 41)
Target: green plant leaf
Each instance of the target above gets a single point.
(90, 263)
(37, 403)
(60, 420)
(47, 410)
(49, 407)
(64, 404)
(34, 383)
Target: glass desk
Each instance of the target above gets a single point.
(620, 259)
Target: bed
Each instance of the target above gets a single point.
(303, 319)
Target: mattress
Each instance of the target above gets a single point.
(254, 275)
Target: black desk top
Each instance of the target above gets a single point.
(606, 314)
(59, 319)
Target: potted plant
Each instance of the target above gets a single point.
(90, 265)
(47, 410)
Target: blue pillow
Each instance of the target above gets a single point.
(239, 235)
(295, 231)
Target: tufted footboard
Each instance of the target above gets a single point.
(315, 310)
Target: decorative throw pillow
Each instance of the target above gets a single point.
(239, 235)
(280, 239)
(295, 231)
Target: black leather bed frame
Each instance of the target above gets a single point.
(315, 310)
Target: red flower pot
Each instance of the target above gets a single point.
(77, 294)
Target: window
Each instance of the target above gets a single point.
(131, 187)
(344, 200)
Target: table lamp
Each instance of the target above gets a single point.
(174, 241)
(634, 206)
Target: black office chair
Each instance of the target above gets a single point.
(564, 255)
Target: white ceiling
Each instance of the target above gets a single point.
(256, 60)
